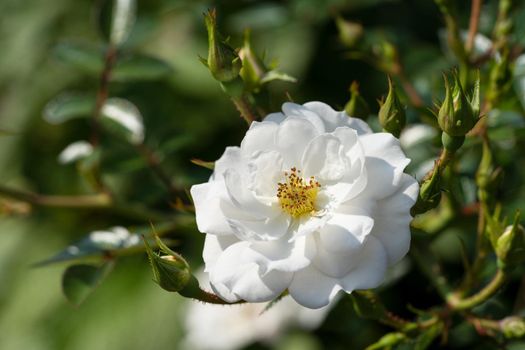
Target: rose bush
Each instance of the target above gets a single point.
(312, 202)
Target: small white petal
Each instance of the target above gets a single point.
(244, 199)
(312, 288)
(370, 271)
(295, 110)
(324, 159)
(385, 162)
(75, 151)
(264, 229)
(265, 172)
(260, 137)
(232, 158)
(275, 118)
(207, 198)
(345, 233)
(392, 226)
(214, 246)
(235, 276)
(292, 137)
(333, 119)
(284, 255)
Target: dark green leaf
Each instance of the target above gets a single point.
(123, 117)
(68, 106)
(116, 19)
(79, 281)
(98, 243)
(425, 339)
(123, 19)
(140, 67)
(87, 58)
(387, 341)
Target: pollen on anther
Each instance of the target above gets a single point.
(297, 195)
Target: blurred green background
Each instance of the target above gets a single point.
(186, 116)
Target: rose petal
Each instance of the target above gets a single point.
(312, 288)
(333, 119)
(235, 276)
(260, 137)
(393, 218)
(266, 172)
(213, 248)
(385, 162)
(265, 229)
(324, 159)
(245, 200)
(295, 110)
(345, 233)
(292, 137)
(230, 159)
(207, 199)
(275, 118)
(370, 271)
(284, 255)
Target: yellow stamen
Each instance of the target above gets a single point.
(297, 195)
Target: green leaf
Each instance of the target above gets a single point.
(68, 106)
(387, 341)
(87, 58)
(140, 67)
(123, 19)
(425, 339)
(123, 118)
(96, 245)
(276, 75)
(79, 281)
(116, 19)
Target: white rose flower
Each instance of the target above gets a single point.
(311, 202)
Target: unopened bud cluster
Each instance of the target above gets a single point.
(458, 113)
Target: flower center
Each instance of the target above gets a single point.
(297, 195)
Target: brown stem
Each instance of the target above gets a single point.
(473, 25)
(441, 163)
(154, 163)
(103, 91)
(93, 201)
(244, 108)
(413, 95)
(84, 201)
